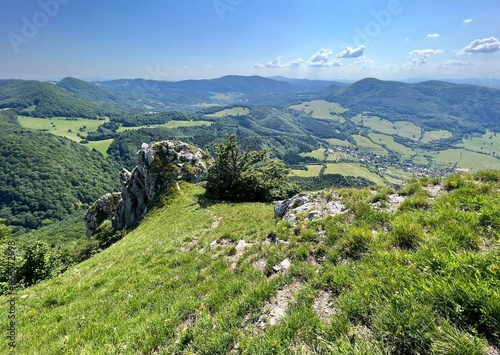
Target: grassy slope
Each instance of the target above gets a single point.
(423, 278)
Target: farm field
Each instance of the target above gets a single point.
(401, 128)
(489, 143)
(61, 126)
(169, 124)
(101, 146)
(466, 159)
(353, 169)
(321, 109)
(420, 160)
(395, 175)
(340, 142)
(335, 157)
(234, 111)
(367, 145)
(312, 170)
(430, 136)
(390, 144)
(318, 154)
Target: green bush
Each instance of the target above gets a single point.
(247, 175)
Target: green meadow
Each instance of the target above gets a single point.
(169, 124)
(321, 109)
(353, 169)
(489, 143)
(389, 143)
(234, 111)
(62, 126)
(466, 159)
(401, 128)
(430, 136)
(366, 144)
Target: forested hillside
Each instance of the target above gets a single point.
(45, 177)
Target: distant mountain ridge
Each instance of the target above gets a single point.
(431, 104)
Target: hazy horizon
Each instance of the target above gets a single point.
(172, 40)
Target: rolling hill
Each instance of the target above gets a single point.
(430, 104)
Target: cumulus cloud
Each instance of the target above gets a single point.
(352, 52)
(322, 59)
(469, 20)
(485, 45)
(421, 56)
(433, 35)
(455, 63)
(276, 63)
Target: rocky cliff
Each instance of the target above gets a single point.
(159, 167)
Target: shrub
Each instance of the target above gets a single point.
(247, 175)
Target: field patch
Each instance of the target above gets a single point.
(234, 111)
(365, 144)
(322, 109)
(101, 146)
(61, 126)
(401, 128)
(489, 143)
(430, 136)
(353, 169)
(169, 124)
(466, 160)
(312, 171)
(340, 142)
(392, 145)
(318, 154)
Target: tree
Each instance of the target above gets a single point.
(247, 175)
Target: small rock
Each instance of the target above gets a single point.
(213, 244)
(285, 264)
(277, 268)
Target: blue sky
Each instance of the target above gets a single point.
(184, 39)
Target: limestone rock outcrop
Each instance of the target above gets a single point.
(314, 205)
(160, 166)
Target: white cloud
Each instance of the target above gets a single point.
(322, 59)
(352, 52)
(469, 20)
(433, 35)
(421, 56)
(485, 45)
(407, 39)
(295, 63)
(455, 63)
(276, 63)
